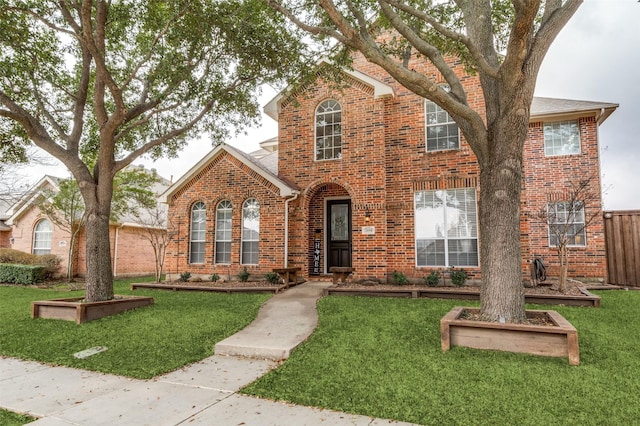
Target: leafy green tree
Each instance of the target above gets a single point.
(97, 84)
(504, 42)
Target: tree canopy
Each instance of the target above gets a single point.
(97, 84)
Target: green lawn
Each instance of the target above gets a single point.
(180, 328)
(7, 418)
(381, 357)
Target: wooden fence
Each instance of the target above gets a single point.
(622, 233)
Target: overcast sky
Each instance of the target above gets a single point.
(596, 57)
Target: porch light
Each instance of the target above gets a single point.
(367, 216)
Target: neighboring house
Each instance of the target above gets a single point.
(5, 230)
(34, 232)
(372, 176)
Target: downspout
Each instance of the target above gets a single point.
(286, 227)
(115, 251)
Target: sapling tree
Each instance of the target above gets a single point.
(155, 222)
(568, 214)
(115, 80)
(504, 43)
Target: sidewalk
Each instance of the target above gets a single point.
(203, 393)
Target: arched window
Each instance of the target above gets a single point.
(197, 233)
(42, 237)
(328, 130)
(223, 232)
(250, 231)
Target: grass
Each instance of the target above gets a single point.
(179, 329)
(381, 357)
(8, 418)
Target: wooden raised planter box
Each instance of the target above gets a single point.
(73, 309)
(587, 299)
(230, 289)
(558, 340)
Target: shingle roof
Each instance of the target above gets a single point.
(543, 107)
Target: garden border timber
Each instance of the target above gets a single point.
(74, 309)
(587, 299)
(559, 340)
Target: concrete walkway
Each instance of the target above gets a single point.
(203, 393)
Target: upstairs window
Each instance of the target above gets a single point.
(446, 227)
(250, 231)
(197, 233)
(567, 223)
(328, 144)
(42, 237)
(442, 132)
(223, 232)
(561, 138)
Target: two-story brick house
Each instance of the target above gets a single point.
(369, 175)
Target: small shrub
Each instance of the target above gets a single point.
(184, 277)
(244, 275)
(433, 279)
(50, 262)
(271, 277)
(214, 277)
(21, 274)
(458, 277)
(399, 278)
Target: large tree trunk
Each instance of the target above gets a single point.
(99, 273)
(502, 291)
(97, 195)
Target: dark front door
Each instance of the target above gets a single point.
(339, 233)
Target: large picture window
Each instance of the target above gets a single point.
(223, 232)
(328, 143)
(567, 222)
(446, 227)
(442, 131)
(561, 138)
(42, 237)
(250, 231)
(197, 234)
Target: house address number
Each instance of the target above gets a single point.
(368, 230)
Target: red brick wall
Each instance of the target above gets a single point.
(385, 161)
(545, 176)
(226, 178)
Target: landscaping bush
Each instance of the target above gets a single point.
(21, 274)
(399, 278)
(215, 277)
(244, 275)
(184, 277)
(433, 279)
(458, 277)
(271, 277)
(50, 262)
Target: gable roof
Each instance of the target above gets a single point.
(543, 108)
(29, 199)
(266, 167)
(380, 89)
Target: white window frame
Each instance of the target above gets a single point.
(224, 227)
(197, 236)
(250, 245)
(443, 231)
(330, 130)
(556, 143)
(578, 221)
(441, 118)
(42, 237)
